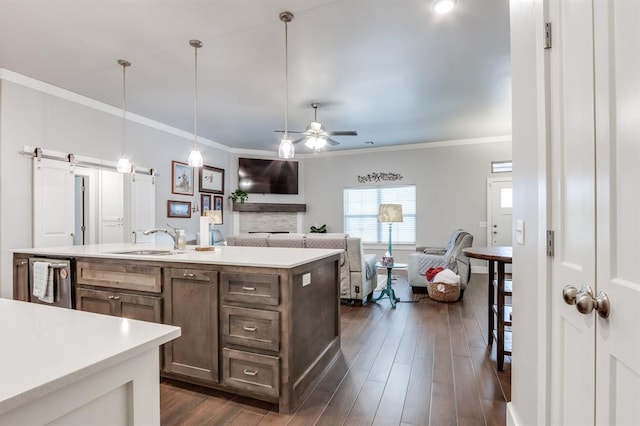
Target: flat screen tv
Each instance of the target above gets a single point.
(267, 176)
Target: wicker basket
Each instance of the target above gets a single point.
(443, 292)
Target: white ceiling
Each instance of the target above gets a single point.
(392, 70)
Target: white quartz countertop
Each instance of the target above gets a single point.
(45, 348)
(269, 257)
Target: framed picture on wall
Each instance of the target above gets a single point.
(211, 180)
(178, 208)
(217, 204)
(205, 203)
(181, 178)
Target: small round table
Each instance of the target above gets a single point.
(388, 290)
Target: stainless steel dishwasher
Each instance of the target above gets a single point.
(64, 288)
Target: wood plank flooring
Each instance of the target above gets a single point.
(423, 363)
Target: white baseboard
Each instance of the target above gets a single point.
(512, 417)
(479, 269)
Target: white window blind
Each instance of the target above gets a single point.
(361, 213)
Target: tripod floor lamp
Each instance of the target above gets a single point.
(390, 213)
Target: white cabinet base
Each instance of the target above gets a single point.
(127, 393)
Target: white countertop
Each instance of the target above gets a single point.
(269, 257)
(45, 348)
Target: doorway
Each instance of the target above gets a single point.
(499, 211)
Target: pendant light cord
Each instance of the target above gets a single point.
(195, 103)
(286, 81)
(124, 105)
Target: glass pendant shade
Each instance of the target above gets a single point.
(195, 158)
(124, 165)
(286, 149)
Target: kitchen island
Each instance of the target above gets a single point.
(65, 366)
(260, 322)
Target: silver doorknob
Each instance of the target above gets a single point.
(569, 293)
(585, 301)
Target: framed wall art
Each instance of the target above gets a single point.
(217, 204)
(181, 178)
(205, 203)
(178, 208)
(211, 180)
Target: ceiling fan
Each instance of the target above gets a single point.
(316, 136)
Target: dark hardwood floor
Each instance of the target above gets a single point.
(422, 363)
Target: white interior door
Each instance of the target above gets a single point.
(53, 203)
(573, 189)
(141, 198)
(111, 207)
(617, 70)
(500, 204)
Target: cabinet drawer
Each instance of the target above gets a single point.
(120, 276)
(250, 288)
(251, 372)
(253, 328)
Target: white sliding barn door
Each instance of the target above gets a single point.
(595, 122)
(53, 203)
(617, 70)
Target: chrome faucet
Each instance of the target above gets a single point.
(179, 238)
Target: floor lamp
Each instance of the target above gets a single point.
(390, 213)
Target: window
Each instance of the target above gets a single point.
(361, 213)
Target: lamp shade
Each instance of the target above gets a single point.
(215, 217)
(390, 213)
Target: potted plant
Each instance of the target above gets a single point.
(238, 194)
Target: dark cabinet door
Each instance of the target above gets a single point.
(96, 301)
(191, 302)
(21, 278)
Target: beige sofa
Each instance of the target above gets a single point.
(357, 270)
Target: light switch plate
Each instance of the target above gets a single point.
(520, 232)
(306, 279)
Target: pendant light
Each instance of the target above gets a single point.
(443, 6)
(124, 165)
(195, 158)
(286, 150)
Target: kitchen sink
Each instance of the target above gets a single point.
(148, 252)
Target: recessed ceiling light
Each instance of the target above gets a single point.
(443, 6)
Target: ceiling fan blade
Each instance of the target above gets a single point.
(290, 131)
(299, 140)
(343, 133)
(332, 142)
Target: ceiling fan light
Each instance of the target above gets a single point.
(123, 165)
(195, 158)
(286, 149)
(315, 126)
(316, 143)
(443, 6)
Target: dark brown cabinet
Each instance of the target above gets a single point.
(132, 306)
(191, 303)
(21, 278)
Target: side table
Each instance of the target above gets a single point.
(388, 290)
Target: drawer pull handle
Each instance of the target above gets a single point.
(247, 328)
(249, 288)
(24, 262)
(250, 373)
(114, 297)
(188, 275)
(111, 297)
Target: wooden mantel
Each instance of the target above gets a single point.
(269, 207)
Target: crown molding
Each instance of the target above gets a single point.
(70, 96)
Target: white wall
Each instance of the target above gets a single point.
(35, 118)
(451, 184)
(529, 378)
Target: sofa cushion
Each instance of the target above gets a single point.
(328, 241)
(286, 240)
(252, 240)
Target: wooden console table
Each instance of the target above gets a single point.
(498, 312)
